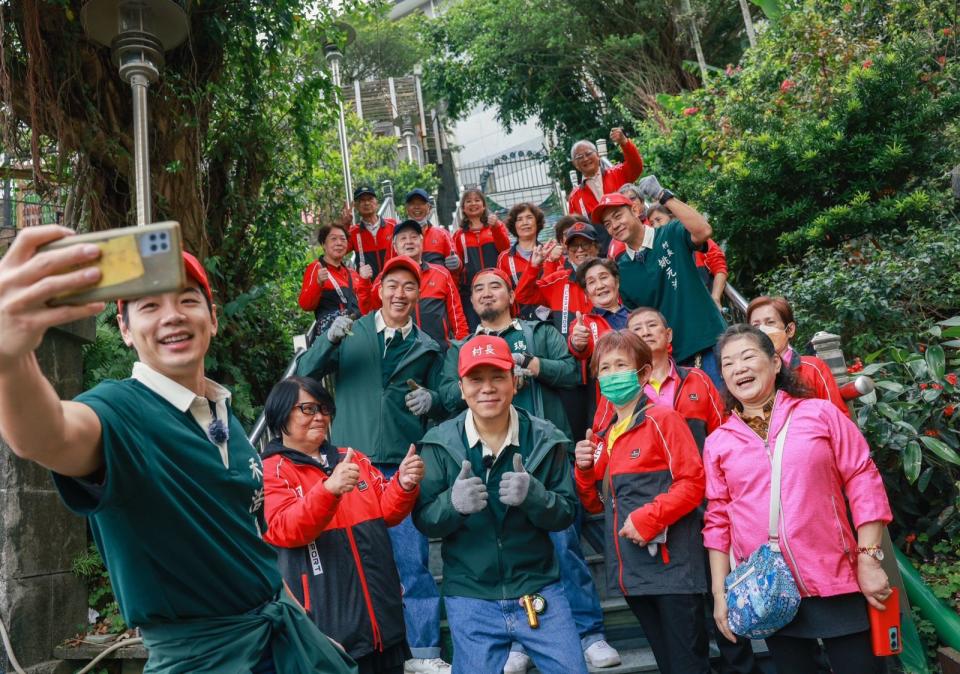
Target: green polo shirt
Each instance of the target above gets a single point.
(664, 276)
(179, 531)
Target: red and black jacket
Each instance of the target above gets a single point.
(561, 294)
(439, 312)
(695, 398)
(479, 250)
(437, 244)
(582, 200)
(370, 249)
(324, 299)
(335, 552)
(653, 474)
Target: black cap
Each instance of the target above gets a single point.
(408, 224)
(418, 192)
(581, 229)
(364, 189)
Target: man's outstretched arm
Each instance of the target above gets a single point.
(38, 426)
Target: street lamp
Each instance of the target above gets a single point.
(409, 147)
(138, 32)
(340, 33)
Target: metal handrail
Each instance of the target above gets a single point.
(388, 209)
(738, 303)
(300, 347)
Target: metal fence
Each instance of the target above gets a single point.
(513, 178)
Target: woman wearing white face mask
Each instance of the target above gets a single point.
(774, 316)
(644, 472)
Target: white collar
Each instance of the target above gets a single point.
(473, 436)
(515, 324)
(390, 332)
(648, 235)
(177, 395)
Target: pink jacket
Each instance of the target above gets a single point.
(826, 465)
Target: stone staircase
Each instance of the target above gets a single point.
(622, 629)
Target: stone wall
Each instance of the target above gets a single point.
(41, 601)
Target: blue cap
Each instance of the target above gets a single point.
(364, 189)
(581, 229)
(407, 224)
(417, 192)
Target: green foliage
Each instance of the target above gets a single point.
(574, 62)
(915, 431)
(107, 357)
(841, 122)
(874, 291)
(88, 566)
(384, 47)
(940, 570)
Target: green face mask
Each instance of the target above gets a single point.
(620, 387)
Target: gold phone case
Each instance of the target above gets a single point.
(135, 261)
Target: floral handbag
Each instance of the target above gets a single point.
(762, 596)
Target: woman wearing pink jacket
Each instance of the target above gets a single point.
(826, 469)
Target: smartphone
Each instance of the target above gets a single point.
(134, 261)
(885, 626)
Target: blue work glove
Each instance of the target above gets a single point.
(452, 261)
(419, 401)
(339, 329)
(649, 188)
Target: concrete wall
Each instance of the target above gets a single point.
(41, 601)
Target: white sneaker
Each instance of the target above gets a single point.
(601, 654)
(517, 663)
(426, 666)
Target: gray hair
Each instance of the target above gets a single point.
(630, 187)
(573, 149)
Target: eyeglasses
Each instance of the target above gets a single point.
(583, 155)
(313, 409)
(580, 245)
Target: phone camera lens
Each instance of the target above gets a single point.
(153, 237)
(153, 248)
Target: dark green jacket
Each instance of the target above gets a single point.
(558, 369)
(372, 417)
(486, 556)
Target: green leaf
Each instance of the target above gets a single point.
(873, 368)
(940, 448)
(912, 459)
(936, 361)
(888, 411)
(931, 394)
(893, 386)
(917, 367)
(952, 322)
(925, 479)
(771, 8)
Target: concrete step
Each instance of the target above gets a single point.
(638, 660)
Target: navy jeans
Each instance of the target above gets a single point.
(578, 585)
(706, 360)
(421, 599)
(483, 629)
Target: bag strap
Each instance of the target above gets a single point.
(774, 528)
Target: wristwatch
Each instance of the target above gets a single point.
(665, 196)
(872, 551)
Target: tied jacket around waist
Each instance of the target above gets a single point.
(653, 475)
(334, 551)
(826, 467)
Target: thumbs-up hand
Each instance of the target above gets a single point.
(344, 477)
(580, 335)
(468, 494)
(411, 470)
(515, 485)
(585, 450)
(322, 275)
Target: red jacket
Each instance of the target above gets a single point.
(652, 474)
(479, 250)
(437, 244)
(513, 265)
(816, 376)
(334, 552)
(324, 299)
(711, 262)
(439, 312)
(371, 250)
(582, 199)
(560, 293)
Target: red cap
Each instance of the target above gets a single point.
(612, 200)
(401, 262)
(195, 271)
(496, 271)
(485, 350)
